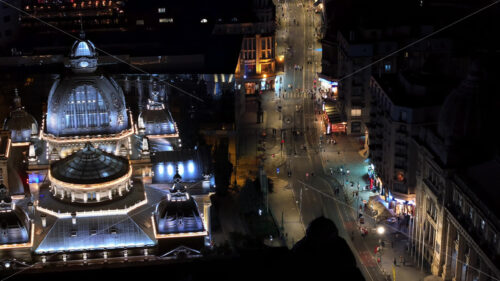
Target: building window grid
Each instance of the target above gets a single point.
(85, 108)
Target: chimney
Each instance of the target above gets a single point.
(44, 220)
(73, 217)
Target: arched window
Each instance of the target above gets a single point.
(85, 109)
(82, 50)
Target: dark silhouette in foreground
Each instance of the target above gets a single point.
(325, 254)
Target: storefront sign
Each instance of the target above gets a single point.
(338, 128)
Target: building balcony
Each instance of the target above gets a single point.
(474, 232)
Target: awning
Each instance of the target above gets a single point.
(381, 212)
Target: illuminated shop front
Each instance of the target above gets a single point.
(333, 119)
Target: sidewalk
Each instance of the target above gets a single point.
(285, 210)
(351, 159)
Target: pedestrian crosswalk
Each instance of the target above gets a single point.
(293, 95)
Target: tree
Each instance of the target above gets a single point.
(223, 169)
(249, 198)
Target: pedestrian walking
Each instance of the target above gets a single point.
(400, 259)
(395, 262)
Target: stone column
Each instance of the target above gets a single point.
(448, 248)
(72, 196)
(258, 50)
(85, 197)
(110, 194)
(98, 196)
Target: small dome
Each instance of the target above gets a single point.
(20, 123)
(90, 165)
(157, 120)
(178, 214)
(83, 48)
(83, 56)
(12, 228)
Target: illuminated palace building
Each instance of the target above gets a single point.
(101, 183)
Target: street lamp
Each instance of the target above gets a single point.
(380, 230)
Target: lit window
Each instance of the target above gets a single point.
(163, 20)
(139, 22)
(355, 112)
(483, 224)
(387, 67)
(204, 20)
(82, 50)
(161, 10)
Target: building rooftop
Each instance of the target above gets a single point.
(93, 233)
(415, 90)
(483, 179)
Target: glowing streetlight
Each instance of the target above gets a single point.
(380, 230)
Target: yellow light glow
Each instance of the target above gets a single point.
(164, 136)
(98, 213)
(20, 144)
(7, 153)
(281, 58)
(76, 139)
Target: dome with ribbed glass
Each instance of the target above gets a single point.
(89, 166)
(83, 56)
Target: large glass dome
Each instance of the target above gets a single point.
(86, 105)
(89, 166)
